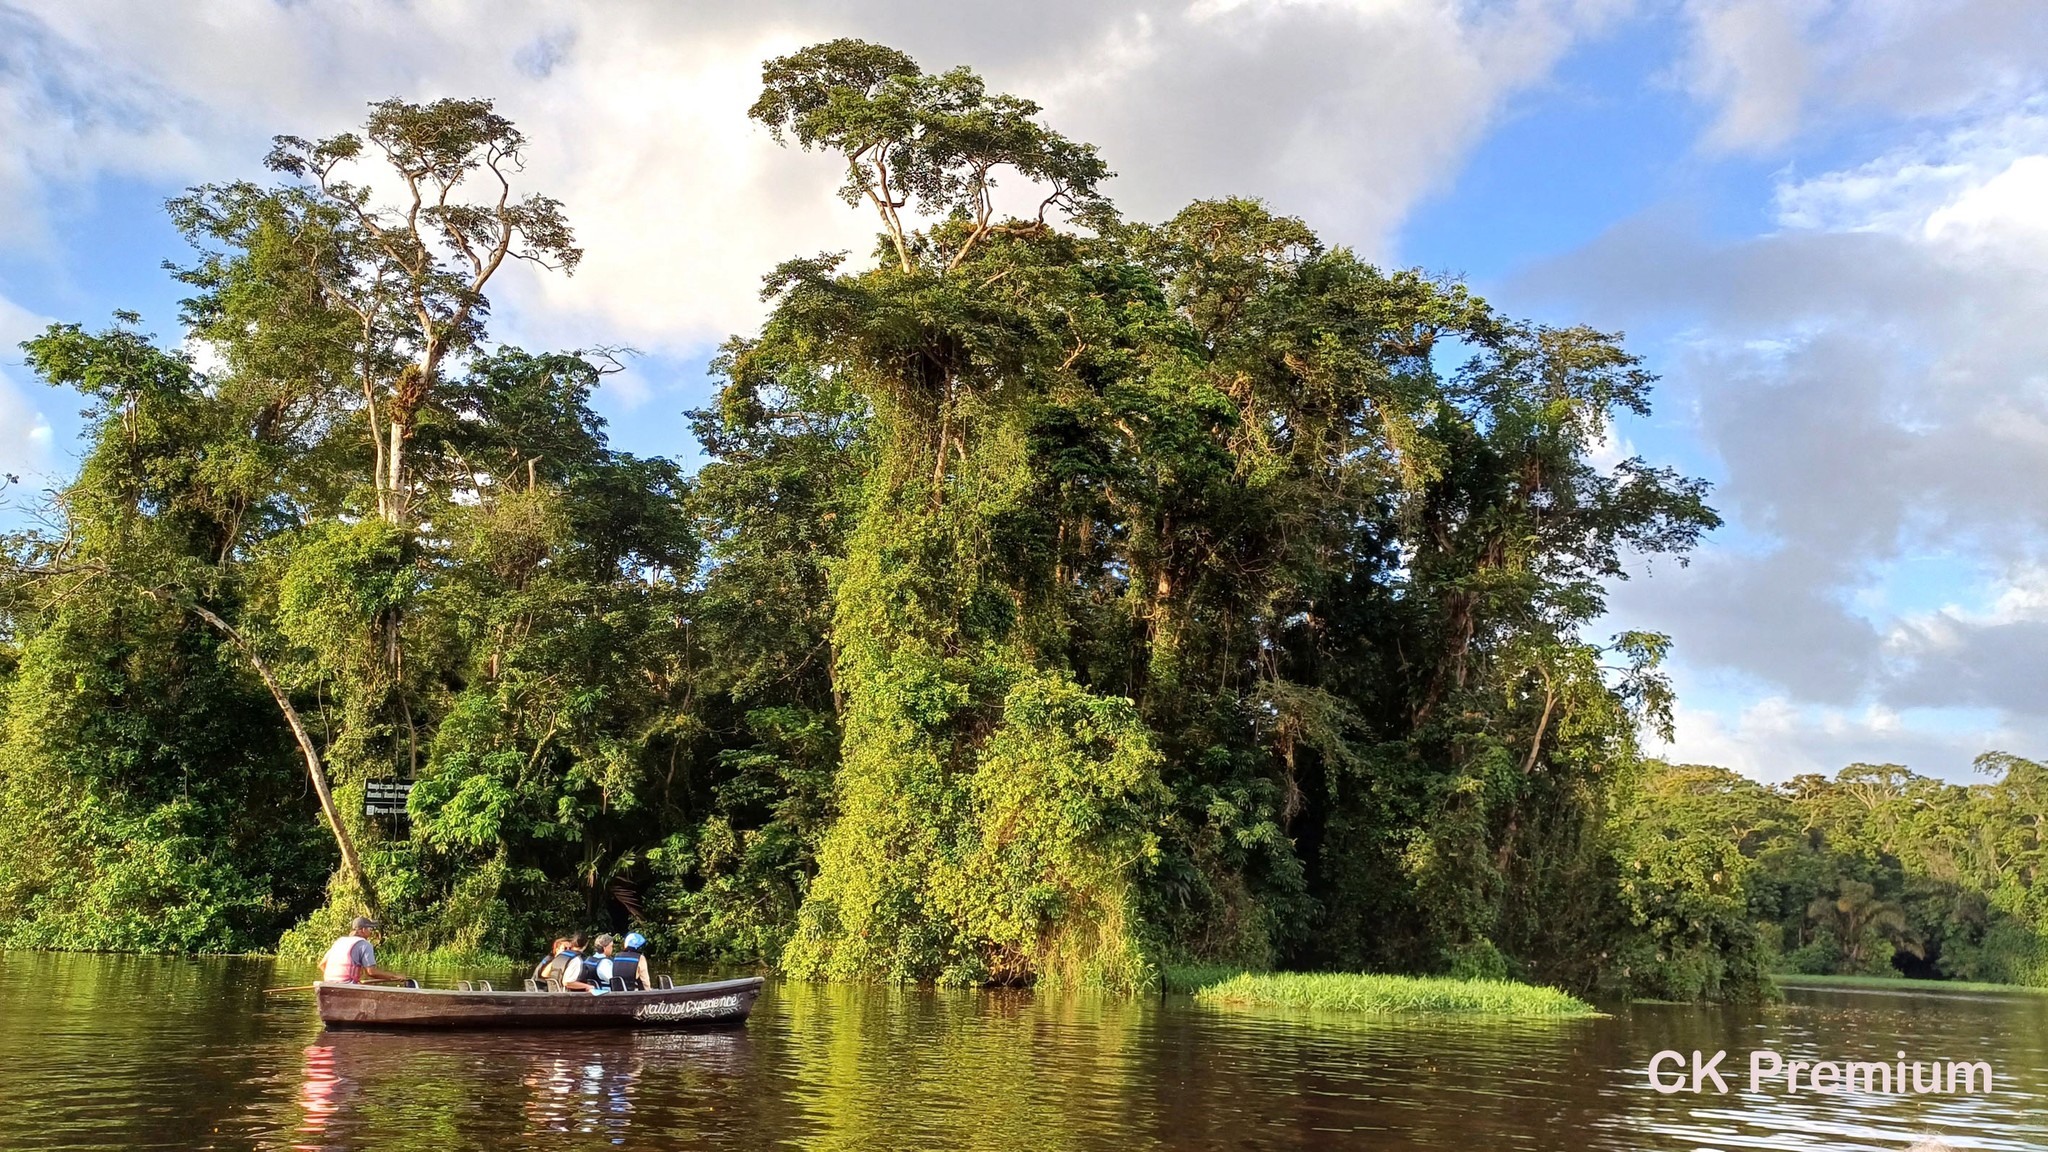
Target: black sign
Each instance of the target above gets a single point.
(386, 797)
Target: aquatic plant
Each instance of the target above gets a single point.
(1393, 995)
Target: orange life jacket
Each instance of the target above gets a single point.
(340, 962)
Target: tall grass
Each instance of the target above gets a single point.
(1380, 995)
(1188, 979)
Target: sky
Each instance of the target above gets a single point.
(1823, 223)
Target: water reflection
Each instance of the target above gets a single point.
(318, 1094)
(175, 1054)
(404, 1090)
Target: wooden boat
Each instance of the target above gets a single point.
(720, 1004)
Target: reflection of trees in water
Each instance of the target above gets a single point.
(893, 1068)
(128, 1027)
(436, 1090)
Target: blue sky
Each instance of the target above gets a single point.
(1821, 221)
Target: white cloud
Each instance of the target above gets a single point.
(1773, 66)
(25, 437)
(1775, 739)
(1751, 57)
(2011, 207)
(1348, 111)
(1873, 380)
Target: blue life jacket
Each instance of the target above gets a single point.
(626, 967)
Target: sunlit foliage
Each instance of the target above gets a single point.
(1061, 597)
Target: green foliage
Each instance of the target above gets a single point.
(148, 799)
(1061, 596)
(1394, 995)
(1684, 839)
(927, 143)
(1874, 872)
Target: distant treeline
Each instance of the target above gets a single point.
(1061, 596)
(1874, 872)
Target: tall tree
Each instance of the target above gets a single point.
(413, 272)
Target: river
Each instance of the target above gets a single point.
(124, 1052)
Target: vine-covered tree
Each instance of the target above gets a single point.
(1061, 596)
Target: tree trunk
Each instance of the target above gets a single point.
(349, 860)
(395, 485)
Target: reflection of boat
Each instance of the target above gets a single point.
(480, 1089)
(722, 1003)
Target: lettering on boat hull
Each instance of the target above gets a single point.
(688, 1009)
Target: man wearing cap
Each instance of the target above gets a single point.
(353, 958)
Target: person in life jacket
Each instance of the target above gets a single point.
(629, 965)
(540, 970)
(570, 954)
(353, 958)
(592, 973)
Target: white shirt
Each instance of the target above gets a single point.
(595, 971)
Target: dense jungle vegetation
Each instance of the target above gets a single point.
(1876, 872)
(1062, 596)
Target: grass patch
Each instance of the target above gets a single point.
(1389, 995)
(1188, 979)
(1901, 984)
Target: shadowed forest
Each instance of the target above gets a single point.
(1062, 596)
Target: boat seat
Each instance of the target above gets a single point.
(618, 983)
(463, 986)
(554, 985)
(484, 986)
(664, 983)
(412, 984)
(532, 985)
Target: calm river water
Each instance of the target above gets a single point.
(105, 1052)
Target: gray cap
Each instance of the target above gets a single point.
(364, 924)
(605, 941)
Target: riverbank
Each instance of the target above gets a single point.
(1901, 984)
(1376, 995)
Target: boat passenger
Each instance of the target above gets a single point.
(592, 973)
(540, 970)
(558, 967)
(353, 958)
(628, 966)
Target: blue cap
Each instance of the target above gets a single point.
(635, 940)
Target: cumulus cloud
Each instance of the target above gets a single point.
(1348, 110)
(1751, 58)
(1873, 378)
(1770, 66)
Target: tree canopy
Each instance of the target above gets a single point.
(1061, 595)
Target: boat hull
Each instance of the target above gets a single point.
(720, 1004)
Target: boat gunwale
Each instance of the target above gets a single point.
(371, 1006)
(713, 988)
